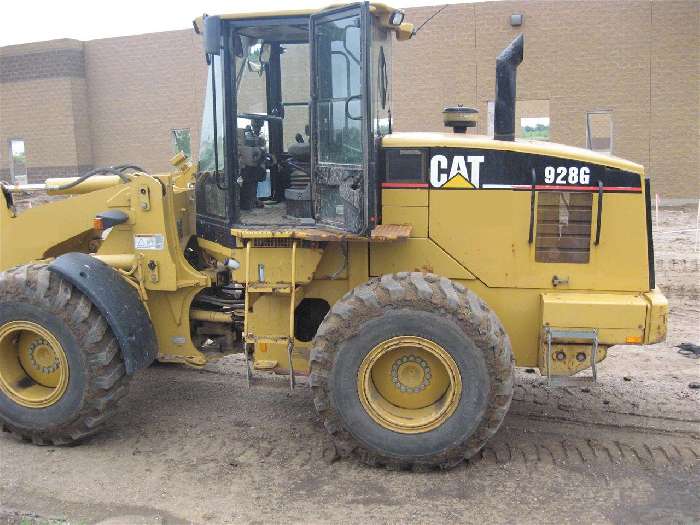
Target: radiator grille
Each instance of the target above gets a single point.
(563, 227)
(273, 242)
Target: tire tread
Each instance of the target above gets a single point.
(422, 291)
(107, 381)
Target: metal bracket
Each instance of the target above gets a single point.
(292, 378)
(248, 372)
(144, 198)
(553, 334)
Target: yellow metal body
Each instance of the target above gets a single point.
(462, 235)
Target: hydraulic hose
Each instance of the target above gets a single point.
(116, 170)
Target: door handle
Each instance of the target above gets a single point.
(556, 280)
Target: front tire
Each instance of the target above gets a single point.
(411, 371)
(61, 370)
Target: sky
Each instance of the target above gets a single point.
(24, 21)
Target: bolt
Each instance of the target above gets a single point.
(560, 356)
(581, 357)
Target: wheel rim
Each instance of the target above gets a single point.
(33, 365)
(409, 384)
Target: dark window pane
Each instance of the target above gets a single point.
(405, 165)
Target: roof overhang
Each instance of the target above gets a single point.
(382, 11)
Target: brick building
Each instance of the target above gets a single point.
(620, 76)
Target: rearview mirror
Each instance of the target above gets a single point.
(258, 56)
(212, 35)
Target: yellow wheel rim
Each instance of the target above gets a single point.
(409, 384)
(33, 365)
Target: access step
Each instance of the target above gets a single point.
(563, 335)
(279, 288)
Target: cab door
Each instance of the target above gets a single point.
(342, 149)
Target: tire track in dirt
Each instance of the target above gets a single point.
(530, 434)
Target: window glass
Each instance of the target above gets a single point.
(405, 165)
(250, 75)
(535, 128)
(339, 91)
(18, 162)
(531, 119)
(181, 140)
(294, 64)
(206, 144)
(380, 80)
(599, 131)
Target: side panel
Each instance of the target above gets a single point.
(486, 215)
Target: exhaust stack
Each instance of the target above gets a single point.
(506, 66)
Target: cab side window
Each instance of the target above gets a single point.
(406, 165)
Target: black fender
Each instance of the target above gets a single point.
(117, 301)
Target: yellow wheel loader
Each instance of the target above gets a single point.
(405, 275)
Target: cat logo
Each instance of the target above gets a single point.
(457, 177)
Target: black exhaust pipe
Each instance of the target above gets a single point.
(504, 112)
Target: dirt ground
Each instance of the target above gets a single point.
(198, 446)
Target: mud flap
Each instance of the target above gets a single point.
(117, 301)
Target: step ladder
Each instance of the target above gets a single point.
(257, 287)
(558, 335)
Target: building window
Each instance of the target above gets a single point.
(181, 140)
(18, 162)
(535, 128)
(599, 131)
(531, 115)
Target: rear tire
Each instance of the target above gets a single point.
(411, 371)
(61, 369)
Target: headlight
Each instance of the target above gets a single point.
(396, 18)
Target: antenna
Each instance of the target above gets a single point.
(415, 31)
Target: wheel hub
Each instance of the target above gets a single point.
(42, 357)
(409, 384)
(410, 374)
(33, 365)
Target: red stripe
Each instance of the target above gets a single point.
(576, 188)
(522, 187)
(404, 185)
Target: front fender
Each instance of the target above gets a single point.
(117, 301)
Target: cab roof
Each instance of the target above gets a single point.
(376, 8)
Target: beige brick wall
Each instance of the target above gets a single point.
(434, 69)
(41, 113)
(674, 122)
(42, 101)
(139, 88)
(639, 59)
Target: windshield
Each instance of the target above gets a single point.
(206, 141)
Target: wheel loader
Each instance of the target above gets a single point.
(404, 276)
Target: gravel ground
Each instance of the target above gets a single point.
(198, 446)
